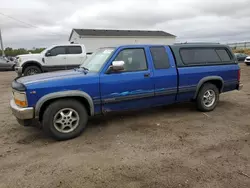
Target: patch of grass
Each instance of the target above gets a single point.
(245, 51)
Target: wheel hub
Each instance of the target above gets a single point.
(66, 120)
(209, 98)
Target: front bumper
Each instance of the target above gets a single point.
(21, 113)
(247, 61)
(19, 71)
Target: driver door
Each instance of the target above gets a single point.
(56, 59)
(131, 88)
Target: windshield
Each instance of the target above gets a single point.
(95, 62)
(44, 51)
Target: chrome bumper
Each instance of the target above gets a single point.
(19, 70)
(21, 113)
(240, 86)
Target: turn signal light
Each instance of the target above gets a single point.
(21, 103)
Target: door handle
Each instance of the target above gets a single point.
(146, 75)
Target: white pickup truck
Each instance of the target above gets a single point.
(57, 57)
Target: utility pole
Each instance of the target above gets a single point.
(1, 41)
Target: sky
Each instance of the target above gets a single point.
(41, 23)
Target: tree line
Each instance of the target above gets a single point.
(14, 52)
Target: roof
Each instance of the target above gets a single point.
(104, 32)
(199, 45)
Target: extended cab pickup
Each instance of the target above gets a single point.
(56, 57)
(125, 78)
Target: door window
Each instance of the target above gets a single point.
(58, 51)
(134, 59)
(75, 49)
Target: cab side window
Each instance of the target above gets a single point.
(134, 59)
(58, 51)
(160, 57)
(75, 50)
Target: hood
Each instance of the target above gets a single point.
(58, 75)
(28, 55)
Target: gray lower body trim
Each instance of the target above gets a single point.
(187, 89)
(166, 92)
(146, 95)
(97, 101)
(127, 98)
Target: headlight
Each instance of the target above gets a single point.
(20, 98)
(19, 60)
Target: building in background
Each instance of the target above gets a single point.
(96, 38)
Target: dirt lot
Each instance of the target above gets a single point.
(174, 146)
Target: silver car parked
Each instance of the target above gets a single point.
(6, 64)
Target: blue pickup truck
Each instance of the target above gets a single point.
(125, 78)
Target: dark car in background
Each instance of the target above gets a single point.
(5, 64)
(240, 56)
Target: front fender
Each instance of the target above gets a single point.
(31, 61)
(62, 94)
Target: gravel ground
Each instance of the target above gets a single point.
(174, 146)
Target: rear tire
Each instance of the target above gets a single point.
(65, 119)
(207, 98)
(31, 70)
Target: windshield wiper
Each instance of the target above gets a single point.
(84, 68)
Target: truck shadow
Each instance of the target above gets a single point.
(181, 108)
(35, 136)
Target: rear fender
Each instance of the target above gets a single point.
(207, 79)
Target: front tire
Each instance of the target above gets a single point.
(207, 98)
(65, 119)
(31, 70)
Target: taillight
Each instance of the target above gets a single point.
(239, 75)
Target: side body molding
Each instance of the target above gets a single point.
(61, 94)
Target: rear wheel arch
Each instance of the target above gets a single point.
(216, 80)
(80, 96)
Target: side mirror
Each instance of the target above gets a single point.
(48, 53)
(117, 66)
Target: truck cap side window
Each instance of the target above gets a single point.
(194, 56)
(223, 54)
(160, 57)
(134, 59)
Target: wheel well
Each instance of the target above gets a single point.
(82, 100)
(31, 63)
(217, 83)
